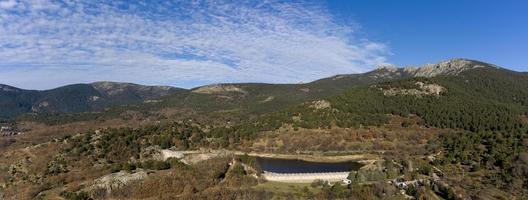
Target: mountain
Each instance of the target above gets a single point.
(442, 95)
(14, 101)
(240, 99)
(258, 98)
(77, 97)
(458, 94)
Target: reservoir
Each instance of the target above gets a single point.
(278, 165)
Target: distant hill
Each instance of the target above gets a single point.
(77, 97)
(239, 99)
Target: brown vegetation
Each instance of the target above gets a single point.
(38, 133)
(205, 180)
(400, 135)
(524, 119)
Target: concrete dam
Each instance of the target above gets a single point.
(305, 177)
(300, 171)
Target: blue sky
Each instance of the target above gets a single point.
(48, 43)
(425, 31)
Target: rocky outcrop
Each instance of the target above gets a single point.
(94, 98)
(387, 72)
(422, 89)
(388, 68)
(115, 89)
(449, 67)
(219, 89)
(115, 181)
(40, 106)
(268, 99)
(319, 105)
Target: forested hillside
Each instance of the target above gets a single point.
(232, 102)
(76, 98)
(484, 99)
(240, 100)
(482, 107)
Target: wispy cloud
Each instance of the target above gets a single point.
(45, 43)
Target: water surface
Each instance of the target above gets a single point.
(278, 165)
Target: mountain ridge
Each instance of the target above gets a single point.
(416, 70)
(77, 97)
(251, 97)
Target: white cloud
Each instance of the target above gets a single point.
(8, 4)
(42, 5)
(47, 43)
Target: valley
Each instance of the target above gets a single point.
(263, 100)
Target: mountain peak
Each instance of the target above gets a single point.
(116, 88)
(219, 89)
(389, 68)
(110, 84)
(448, 67)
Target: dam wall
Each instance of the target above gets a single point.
(305, 177)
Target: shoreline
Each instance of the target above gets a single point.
(192, 156)
(363, 158)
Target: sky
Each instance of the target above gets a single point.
(47, 43)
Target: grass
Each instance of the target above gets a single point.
(397, 197)
(279, 187)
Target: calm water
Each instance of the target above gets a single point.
(299, 166)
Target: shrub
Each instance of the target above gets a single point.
(406, 124)
(411, 190)
(75, 196)
(317, 183)
(237, 170)
(426, 169)
(116, 167)
(128, 166)
(175, 163)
